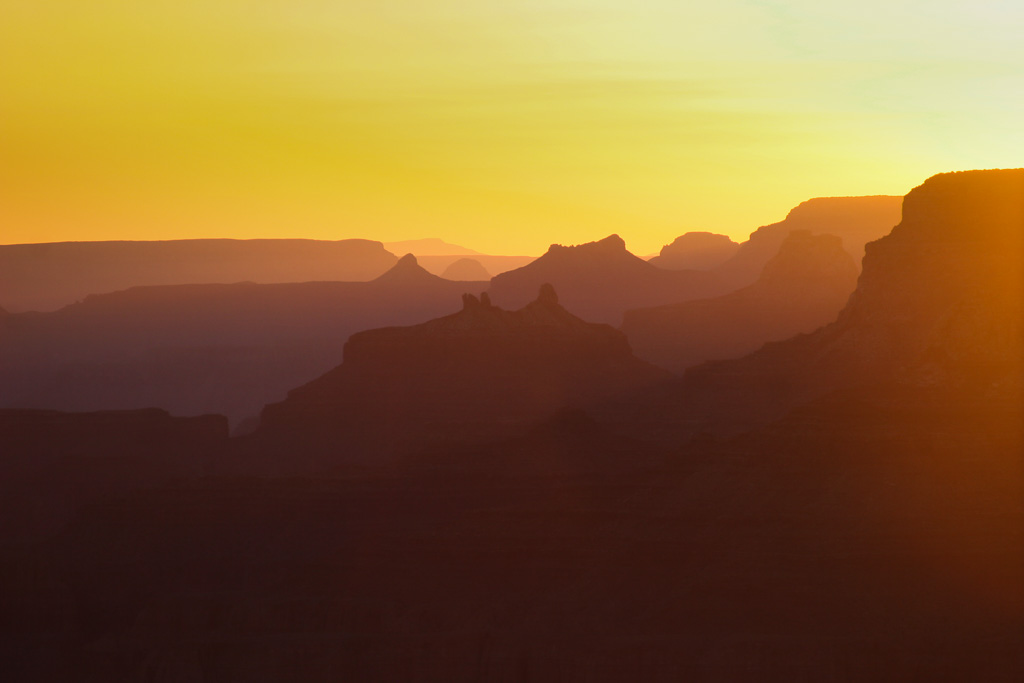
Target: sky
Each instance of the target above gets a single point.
(502, 125)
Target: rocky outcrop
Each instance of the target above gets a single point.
(600, 280)
(802, 288)
(466, 269)
(45, 277)
(695, 251)
(940, 302)
(193, 349)
(481, 371)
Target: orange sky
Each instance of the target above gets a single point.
(500, 125)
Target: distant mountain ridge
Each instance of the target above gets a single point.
(194, 349)
(600, 280)
(429, 246)
(45, 277)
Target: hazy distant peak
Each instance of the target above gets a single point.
(466, 270)
(407, 270)
(430, 246)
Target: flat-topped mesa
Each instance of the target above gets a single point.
(473, 372)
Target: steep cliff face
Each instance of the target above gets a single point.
(695, 251)
(482, 370)
(940, 302)
(600, 280)
(802, 288)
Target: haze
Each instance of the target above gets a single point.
(496, 125)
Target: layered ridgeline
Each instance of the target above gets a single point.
(438, 257)
(874, 533)
(196, 349)
(940, 302)
(481, 372)
(803, 287)
(45, 277)
(601, 280)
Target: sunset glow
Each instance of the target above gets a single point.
(498, 125)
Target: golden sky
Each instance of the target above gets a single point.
(503, 125)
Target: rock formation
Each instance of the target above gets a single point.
(483, 370)
(466, 269)
(803, 287)
(695, 251)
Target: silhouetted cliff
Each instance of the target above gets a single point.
(481, 371)
(45, 277)
(803, 287)
(940, 301)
